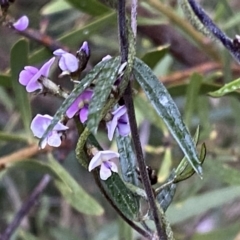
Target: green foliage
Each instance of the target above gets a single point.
(102, 90)
(19, 59)
(201, 203)
(122, 196)
(73, 37)
(127, 159)
(5, 80)
(187, 200)
(95, 73)
(72, 192)
(166, 108)
(226, 89)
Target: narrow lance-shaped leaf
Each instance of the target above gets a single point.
(72, 192)
(166, 108)
(192, 97)
(165, 196)
(102, 91)
(227, 88)
(168, 189)
(84, 84)
(126, 201)
(91, 7)
(19, 59)
(5, 80)
(72, 38)
(127, 159)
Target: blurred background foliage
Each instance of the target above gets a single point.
(189, 64)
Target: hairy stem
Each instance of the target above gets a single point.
(127, 96)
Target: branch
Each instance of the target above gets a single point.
(24, 210)
(133, 124)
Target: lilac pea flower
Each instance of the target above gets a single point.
(103, 159)
(30, 75)
(68, 62)
(39, 125)
(119, 121)
(107, 57)
(21, 24)
(80, 105)
(85, 48)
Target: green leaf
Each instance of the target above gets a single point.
(124, 230)
(73, 38)
(192, 97)
(55, 7)
(166, 108)
(223, 172)
(19, 59)
(153, 57)
(223, 233)
(126, 201)
(227, 88)
(6, 99)
(200, 204)
(181, 89)
(91, 7)
(165, 196)
(72, 192)
(102, 91)
(5, 80)
(61, 233)
(166, 165)
(84, 84)
(127, 160)
(141, 103)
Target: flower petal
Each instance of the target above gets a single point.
(59, 52)
(21, 24)
(54, 139)
(111, 126)
(85, 48)
(114, 167)
(68, 62)
(124, 129)
(33, 84)
(74, 108)
(44, 70)
(95, 161)
(60, 127)
(106, 58)
(26, 75)
(119, 111)
(79, 103)
(108, 154)
(105, 172)
(83, 115)
(39, 124)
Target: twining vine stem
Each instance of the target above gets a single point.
(127, 96)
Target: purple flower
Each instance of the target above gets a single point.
(21, 24)
(85, 48)
(68, 62)
(107, 57)
(119, 121)
(103, 158)
(39, 125)
(30, 75)
(80, 105)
